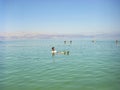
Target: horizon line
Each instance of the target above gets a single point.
(27, 35)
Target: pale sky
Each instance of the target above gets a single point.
(60, 16)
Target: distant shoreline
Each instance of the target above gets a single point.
(35, 35)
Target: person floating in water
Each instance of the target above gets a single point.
(93, 41)
(117, 42)
(68, 42)
(55, 52)
(64, 42)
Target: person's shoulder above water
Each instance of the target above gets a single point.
(53, 51)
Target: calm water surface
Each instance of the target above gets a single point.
(29, 65)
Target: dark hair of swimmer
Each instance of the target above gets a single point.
(53, 48)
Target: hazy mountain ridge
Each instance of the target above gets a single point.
(30, 35)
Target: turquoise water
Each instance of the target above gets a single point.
(29, 65)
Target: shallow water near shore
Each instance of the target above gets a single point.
(29, 65)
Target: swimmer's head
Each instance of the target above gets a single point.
(53, 48)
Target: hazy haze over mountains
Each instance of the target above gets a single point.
(38, 35)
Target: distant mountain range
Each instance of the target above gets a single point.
(37, 35)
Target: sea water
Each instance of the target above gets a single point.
(29, 65)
